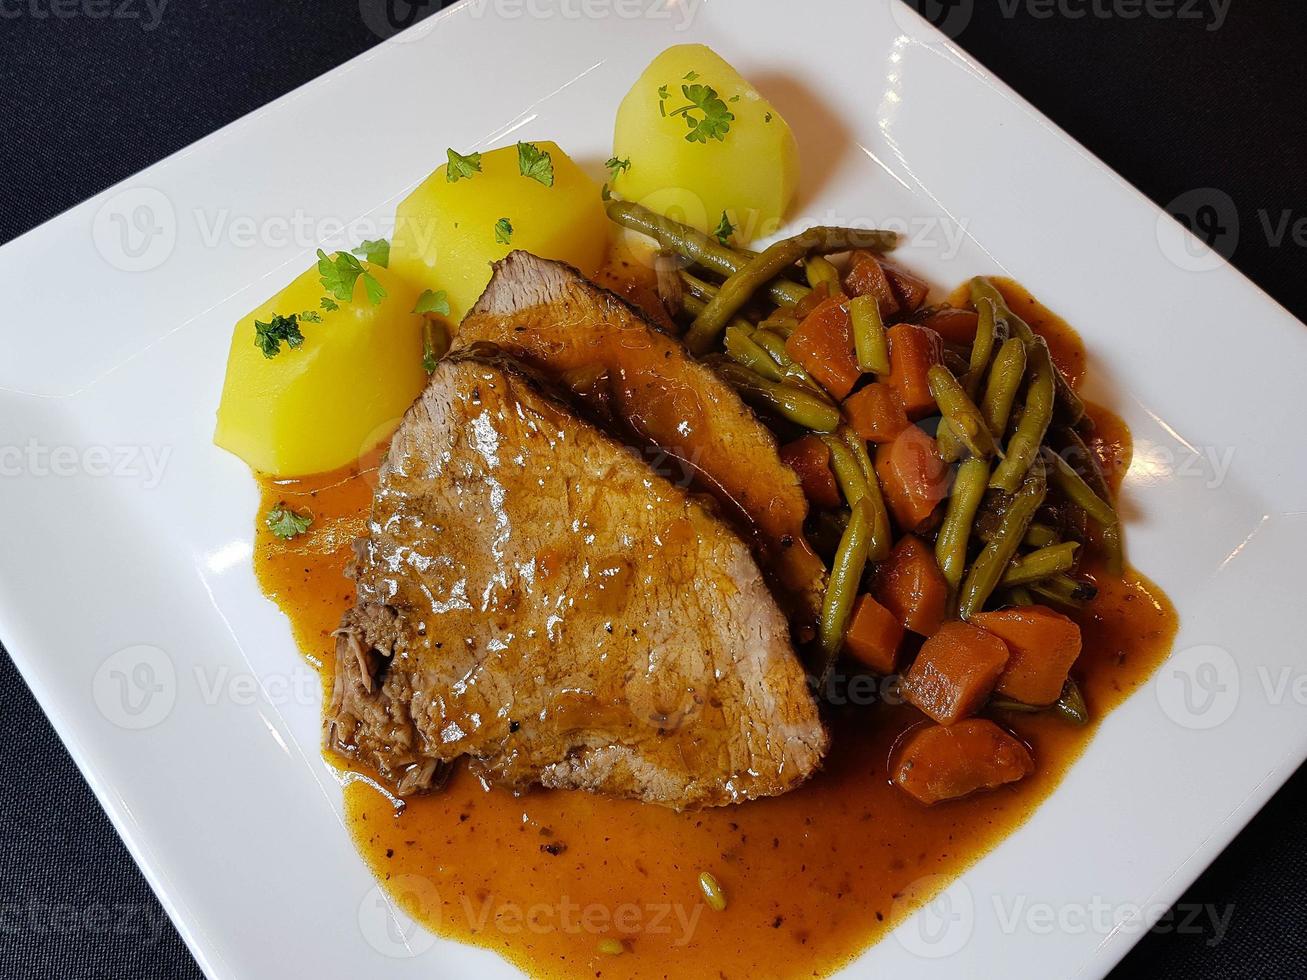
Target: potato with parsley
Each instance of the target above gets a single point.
(477, 208)
(321, 372)
(696, 142)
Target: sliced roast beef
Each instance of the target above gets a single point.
(533, 597)
(549, 316)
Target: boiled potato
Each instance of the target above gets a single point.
(447, 233)
(325, 403)
(688, 161)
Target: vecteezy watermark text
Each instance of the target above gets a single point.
(147, 13)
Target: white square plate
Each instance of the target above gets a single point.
(126, 592)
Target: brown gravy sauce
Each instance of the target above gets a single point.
(812, 878)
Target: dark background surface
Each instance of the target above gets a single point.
(1195, 106)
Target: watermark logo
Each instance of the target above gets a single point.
(392, 18)
(136, 687)
(389, 929)
(1198, 688)
(147, 13)
(136, 229)
(949, 17)
(1212, 220)
(944, 918)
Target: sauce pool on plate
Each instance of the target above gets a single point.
(559, 882)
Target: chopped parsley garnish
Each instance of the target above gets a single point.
(461, 166)
(766, 117)
(663, 96)
(716, 118)
(724, 230)
(340, 272)
(285, 523)
(268, 336)
(376, 252)
(616, 166)
(311, 316)
(429, 359)
(535, 163)
(504, 231)
(691, 75)
(433, 301)
(329, 304)
(605, 194)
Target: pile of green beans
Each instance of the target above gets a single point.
(1003, 416)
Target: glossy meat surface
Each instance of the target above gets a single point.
(532, 596)
(589, 339)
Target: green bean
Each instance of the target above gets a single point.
(780, 322)
(988, 568)
(954, 533)
(774, 344)
(1040, 536)
(849, 474)
(700, 289)
(740, 286)
(1019, 595)
(1063, 590)
(698, 247)
(1005, 376)
(1073, 408)
(869, 341)
(882, 533)
(1073, 486)
(1044, 563)
(740, 348)
(789, 401)
(1109, 534)
(982, 348)
(819, 270)
(1023, 446)
(845, 578)
(1070, 705)
(960, 413)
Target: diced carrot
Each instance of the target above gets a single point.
(909, 290)
(1043, 645)
(955, 326)
(820, 293)
(940, 763)
(810, 458)
(910, 585)
(823, 345)
(876, 413)
(912, 352)
(913, 476)
(955, 671)
(866, 278)
(874, 635)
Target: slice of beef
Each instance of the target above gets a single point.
(546, 314)
(532, 596)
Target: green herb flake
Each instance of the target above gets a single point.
(433, 301)
(375, 252)
(724, 230)
(605, 193)
(691, 75)
(535, 163)
(504, 231)
(340, 272)
(311, 316)
(766, 117)
(268, 336)
(460, 166)
(616, 166)
(285, 523)
(716, 118)
(329, 304)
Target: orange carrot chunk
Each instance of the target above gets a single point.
(866, 277)
(909, 584)
(876, 413)
(823, 345)
(909, 290)
(913, 350)
(810, 459)
(873, 636)
(955, 672)
(955, 326)
(1043, 645)
(913, 476)
(944, 763)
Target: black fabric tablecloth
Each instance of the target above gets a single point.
(1177, 96)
